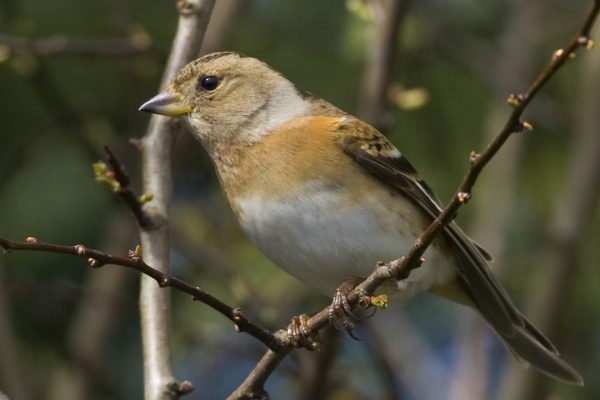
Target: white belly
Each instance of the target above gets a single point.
(323, 238)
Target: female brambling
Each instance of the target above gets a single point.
(325, 196)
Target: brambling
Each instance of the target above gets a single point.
(325, 196)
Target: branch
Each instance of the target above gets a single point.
(383, 363)
(373, 96)
(118, 180)
(226, 15)
(97, 259)
(401, 267)
(470, 376)
(156, 169)
(315, 384)
(89, 47)
(12, 373)
(253, 385)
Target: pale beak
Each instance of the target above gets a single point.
(168, 104)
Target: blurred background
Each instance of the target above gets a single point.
(72, 75)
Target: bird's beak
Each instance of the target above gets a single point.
(166, 103)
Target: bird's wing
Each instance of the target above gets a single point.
(377, 155)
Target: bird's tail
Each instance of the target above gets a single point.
(531, 347)
(526, 343)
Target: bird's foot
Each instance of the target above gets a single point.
(341, 314)
(301, 335)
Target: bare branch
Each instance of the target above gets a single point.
(373, 96)
(226, 15)
(560, 262)
(383, 363)
(12, 373)
(134, 203)
(89, 47)
(316, 383)
(470, 374)
(97, 259)
(253, 385)
(156, 154)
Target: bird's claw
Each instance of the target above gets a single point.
(301, 335)
(340, 311)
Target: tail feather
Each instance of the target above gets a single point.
(537, 334)
(481, 290)
(526, 347)
(531, 347)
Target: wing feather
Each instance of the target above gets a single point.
(375, 153)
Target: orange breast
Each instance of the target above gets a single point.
(302, 150)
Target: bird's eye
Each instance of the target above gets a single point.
(209, 82)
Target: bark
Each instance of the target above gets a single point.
(155, 304)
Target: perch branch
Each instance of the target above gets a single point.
(97, 259)
(89, 47)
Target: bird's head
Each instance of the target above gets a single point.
(229, 97)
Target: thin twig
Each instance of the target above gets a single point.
(318, 385)
(133, 202)
(97, 259)
(89, 47)
(401, 267)
(12, 373)
(470, 376)
(382, 360)
(551, 298)
(253, 385)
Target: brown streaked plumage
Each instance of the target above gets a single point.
(324, 195)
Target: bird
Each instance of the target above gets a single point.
(325, 196)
